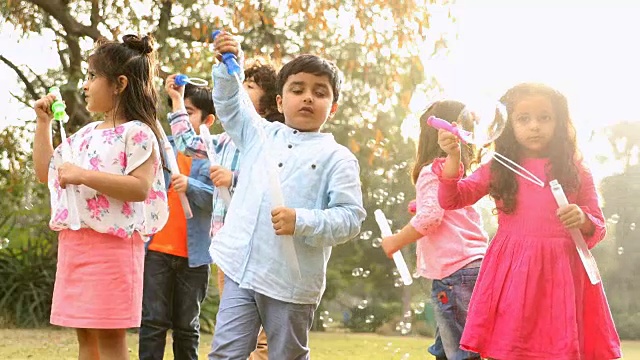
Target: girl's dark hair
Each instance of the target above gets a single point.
(265, 76)
(428, 148)
(134, 58)
(562, 152)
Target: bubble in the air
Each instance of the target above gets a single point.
(632, 227)
(366, 273)
(376, 243)
(398, 283)
(378, 152)
(403, 327)
(371, 143)
(366, 235)
(419, 308)
(4, 243)
(357, 272)
(620, 250)
(483, 121)
(614, 218)
(401, 196)
(405, 356)
(351, 133)
(407, 314)
(395, 272)
(363, 304)
(415, 275)
(369, 319)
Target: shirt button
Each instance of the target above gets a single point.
(279, 164)
(295, 131)
(289, 146)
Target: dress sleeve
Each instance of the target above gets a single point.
(429, 213)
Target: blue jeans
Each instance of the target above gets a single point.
(450, 297)
(171, 298)
(240, 315)
(437, 349)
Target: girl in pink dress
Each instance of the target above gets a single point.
(533, 299)
(450, 243)
(115, 174)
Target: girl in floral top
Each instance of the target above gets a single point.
(115, 174)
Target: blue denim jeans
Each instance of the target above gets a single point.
(450, 297)
(171, 298)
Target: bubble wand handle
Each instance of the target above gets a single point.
(588, 261)
(228, 59)
(385, 231)
(206, 138)
(445, 125)
(173, 166)
(59, 114)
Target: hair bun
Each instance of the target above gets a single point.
(143, 45)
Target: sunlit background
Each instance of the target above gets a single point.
(588, 50)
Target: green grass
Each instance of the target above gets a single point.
(61, 344)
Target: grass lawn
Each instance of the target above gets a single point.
(61, 344)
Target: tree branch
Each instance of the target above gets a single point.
(59, 11)
(95, 14)
(163, 22)
(21, 99)
(30, 89)
(43, 84)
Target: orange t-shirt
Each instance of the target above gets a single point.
(172, 239)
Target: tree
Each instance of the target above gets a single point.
(376, 43)
(621, 193)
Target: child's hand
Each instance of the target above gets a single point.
(220, 176)
(390, 245)
(174, 91)
(284, 220)
(43, 108)
(571, 216)
(226, 43)
(69, 174)
(179, 182)
(448, 142)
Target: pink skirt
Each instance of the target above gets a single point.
(98, 281)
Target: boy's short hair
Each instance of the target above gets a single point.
(200, 97)
(265, 76)
(315, 65)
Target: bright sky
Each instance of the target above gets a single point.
(586, 51)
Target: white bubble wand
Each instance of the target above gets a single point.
(401, 265)
(206, 138)
(173, 166)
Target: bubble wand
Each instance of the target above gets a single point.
(588, 261)
(275, 189)
(469, 138)
(59, 114)
(206, 138)
(182, 80)
(173, 166)
(385, 231)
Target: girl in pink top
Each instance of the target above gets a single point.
(450, 243)
(533, 299)
(115, 174)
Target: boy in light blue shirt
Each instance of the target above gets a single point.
(320, 180)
